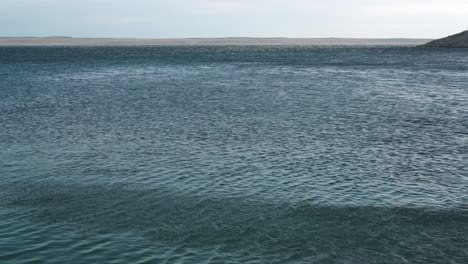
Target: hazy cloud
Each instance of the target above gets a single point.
(419, 8)
(218, 18)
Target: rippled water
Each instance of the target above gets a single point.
(233, 155)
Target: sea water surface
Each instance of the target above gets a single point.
(233, 155)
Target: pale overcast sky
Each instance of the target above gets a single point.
(232, 18)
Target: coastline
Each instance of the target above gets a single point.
(67, 41)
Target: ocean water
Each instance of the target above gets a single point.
(233, 155)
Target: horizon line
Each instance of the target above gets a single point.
(226, 37)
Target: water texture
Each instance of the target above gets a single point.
(233, 155)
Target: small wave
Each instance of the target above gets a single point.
(245, 226)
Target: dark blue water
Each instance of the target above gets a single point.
(233, 155)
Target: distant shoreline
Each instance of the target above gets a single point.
(69, 41)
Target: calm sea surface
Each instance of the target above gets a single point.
(233, 155)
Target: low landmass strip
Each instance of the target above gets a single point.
(69, 41)
(459, 40)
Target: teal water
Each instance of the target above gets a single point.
(233, 155)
